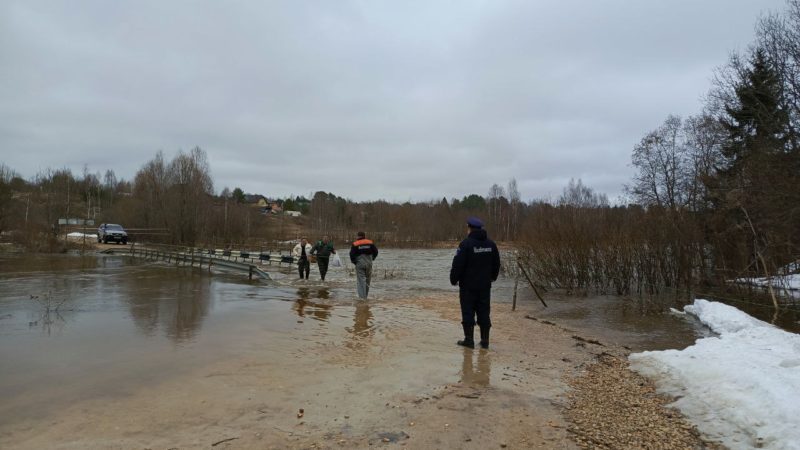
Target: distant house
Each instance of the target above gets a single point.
(293, 213)
(276, 206)
(255, 200)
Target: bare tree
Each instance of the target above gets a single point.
(778, 35)
(515, 204)
(175, 196)
(661, 159)
(578, 195)
(190, 189)
(110, 185)
(150, 187)
(6, 196)
(495, 202)
(704, 137)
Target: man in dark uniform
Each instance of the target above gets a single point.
(475, 266)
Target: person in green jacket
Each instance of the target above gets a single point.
(323, 250)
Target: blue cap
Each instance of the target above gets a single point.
(474, 222)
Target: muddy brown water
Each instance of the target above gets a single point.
(75, 327)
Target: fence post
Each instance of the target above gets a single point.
(514, 302)
(533, 286)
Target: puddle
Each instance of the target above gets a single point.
(476, 369)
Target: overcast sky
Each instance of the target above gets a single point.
(396, 100)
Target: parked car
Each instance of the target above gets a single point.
(111, 232)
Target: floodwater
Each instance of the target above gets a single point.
(622, 321)
(99, 326)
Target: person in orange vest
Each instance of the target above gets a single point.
(362, 253)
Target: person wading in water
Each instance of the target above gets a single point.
(301, 252)
(323, 250)
(362, 253)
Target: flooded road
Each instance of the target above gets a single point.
(78, 333)
(103, 326)
(81, 327)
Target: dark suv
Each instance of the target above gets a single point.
(111, 232)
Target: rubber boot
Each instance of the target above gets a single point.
(469, 339)
(484, 337)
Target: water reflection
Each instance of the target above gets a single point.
(362, 328)
(111, 263)
(55, 292)
(476, 373)
(49, 316)
(176, 306)
(307, 308)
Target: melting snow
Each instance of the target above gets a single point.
(741, 387)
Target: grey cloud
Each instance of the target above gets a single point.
(394, 100)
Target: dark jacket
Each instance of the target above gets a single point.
(477, 262)
(363, 247)
(323, 250)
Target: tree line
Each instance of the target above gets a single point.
(716, 195)
(173, 201)
(418, 223)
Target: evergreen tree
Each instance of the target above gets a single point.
(758, 176)
(473, 202)
(757, 125)
(238, 195)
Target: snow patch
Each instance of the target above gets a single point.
(786, 281)
(80, 235)
(782, 282)
(741, 387)
(722, 318)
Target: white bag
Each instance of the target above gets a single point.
(337, 262)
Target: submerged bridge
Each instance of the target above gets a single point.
(251, 263)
